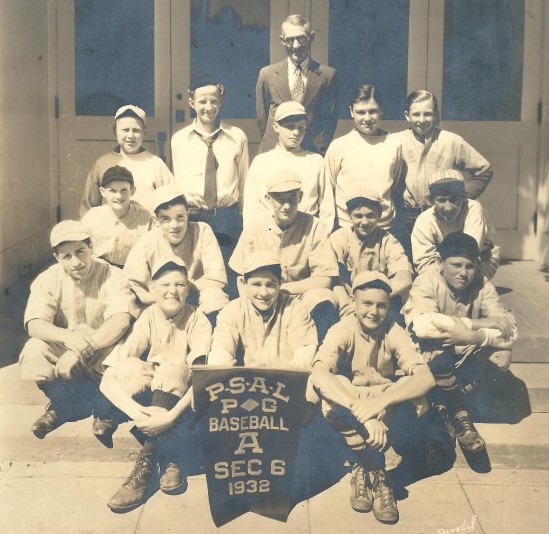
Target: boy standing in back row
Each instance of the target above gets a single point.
(210, 161)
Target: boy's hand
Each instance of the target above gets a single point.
(370, 408)
(158, 422)
(79, 343)
(377, 434)
(65, 364)
(459, 334)
(503, 324)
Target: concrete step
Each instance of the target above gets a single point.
(536, 378)
(521, 446)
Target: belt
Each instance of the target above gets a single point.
(208, 213)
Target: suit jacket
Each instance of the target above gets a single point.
(320, 101)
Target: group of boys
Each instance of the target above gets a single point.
(115, 333)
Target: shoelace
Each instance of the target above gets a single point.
(142, 464)
(382, 491)
(360, 480)
(466, 423)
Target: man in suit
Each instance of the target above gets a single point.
(303, 80)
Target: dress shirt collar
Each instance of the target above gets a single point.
(304, 67)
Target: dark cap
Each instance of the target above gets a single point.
(203, 81)
(117, 173)
(459, 244)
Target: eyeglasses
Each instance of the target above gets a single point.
(301, 39)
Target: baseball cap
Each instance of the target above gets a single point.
(459, 244)
(364, 195)
(164, 194)
(165, 264)
(289, 109)
(259, 259)
(282, 181)
(447, 181)
(371, 279)
(130, 109)
(116, 173)
(68, 231)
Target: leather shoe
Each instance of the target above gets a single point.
(137, 487)
(104, 427)
(45, 424)
(172, 481)
(467, 435)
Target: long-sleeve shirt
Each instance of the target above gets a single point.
(189, 153)
(149, 173)
(380, 251)
(318, 197)
(429, 231)
(304, 247)
(199, 250)
(430, 295)
(185, 336)
(368, 360)
(375, 162)
(241, 333)
(444, 150)
(114, 237)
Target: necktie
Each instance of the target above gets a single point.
(210, 173)
(299, 88)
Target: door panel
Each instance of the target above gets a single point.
(100, 70)
(484, 63)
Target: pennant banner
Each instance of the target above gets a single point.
(249, 421)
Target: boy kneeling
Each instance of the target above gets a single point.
(154, 364)
(457, 316)
(355, 370)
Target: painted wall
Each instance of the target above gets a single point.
(24, 139)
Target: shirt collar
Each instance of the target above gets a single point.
(304, 66)
(200, 131)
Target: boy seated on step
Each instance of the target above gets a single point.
(147, 380)
(451, 211)
(456, 316)
(264, 327)
(116, 226)
(301, 242)
(77, 310)
(354, 374)
(192, 242)
(365, 246)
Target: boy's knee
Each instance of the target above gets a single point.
(172, 377)
(502, 359)
(212, 299)
(35, 361)
(133, 375)
(314, 297)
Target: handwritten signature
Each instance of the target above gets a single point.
(464, 527)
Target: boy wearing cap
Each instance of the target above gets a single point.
(457, 316)
(301, 241)
(210, 162)
(354, 373)
(264, 327)
(290, 125)
(115, 227)
(149, 171)
(193, 242)
(451, 211)
(77, 310)
(147, 380)
(365, 246)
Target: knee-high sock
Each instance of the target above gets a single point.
(355, 441)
